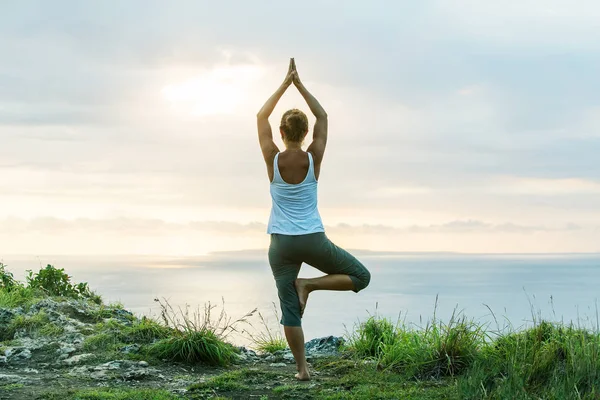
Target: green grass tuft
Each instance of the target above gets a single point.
(549, 360)
(371, 336)
(29, 324)
(20, 297)
(110, 394)
(145, 330)
(231, 380)
(268, 340)
(51, 329)
(194, 346)
(102, 342)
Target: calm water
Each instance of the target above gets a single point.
(515, 287)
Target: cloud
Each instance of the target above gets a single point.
(439, 111)
(161, 227)
(540, 186)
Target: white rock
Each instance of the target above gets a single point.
(8, 379)
(66, 350)
(100, 375)
(77, 359)
(277, 365)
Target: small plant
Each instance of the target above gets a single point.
(22, 322)
(56, 282)
(51, 329)
(268, 340)
(372, 336)
(436, 351)
(194, 346)
(145, 330)
(19, 296)
(7, 281)
(107, 341)
(198, 337)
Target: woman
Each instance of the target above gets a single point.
(297, 232)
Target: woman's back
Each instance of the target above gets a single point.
(293, 166)
(294, 195)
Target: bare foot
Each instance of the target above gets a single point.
(303, 376)
(303, 292)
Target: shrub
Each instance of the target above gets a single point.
(7, 281)
(56, 282)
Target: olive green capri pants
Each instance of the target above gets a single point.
(288, 252)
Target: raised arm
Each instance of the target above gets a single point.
(265, 134)
(317, 147)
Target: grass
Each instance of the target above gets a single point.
(20, 297)
(51, 329)
(435, 351)
(194, 346)
(12, 386)
(382, 360)
(110, 394)
(198, 337)
(102, 342)
(30, 324)
(238, 380)
(548, 360)
(267, 340)
(145, 330)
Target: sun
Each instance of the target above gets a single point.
(220, 90)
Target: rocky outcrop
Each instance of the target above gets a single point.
(56, 349)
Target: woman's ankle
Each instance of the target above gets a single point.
(302, 367)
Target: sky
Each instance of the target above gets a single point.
(454, 125)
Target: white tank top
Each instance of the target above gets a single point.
(294, 209)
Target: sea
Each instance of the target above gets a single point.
(502, 292)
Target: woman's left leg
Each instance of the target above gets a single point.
(285, 271)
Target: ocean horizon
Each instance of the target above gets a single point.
(503, 291)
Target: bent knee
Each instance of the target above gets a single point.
(361, 279)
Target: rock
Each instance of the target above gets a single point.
(143, 364)
(324, 346)
(68, 349)
(131, 348)
(6, 315)
(77, 359)
(247, 352)
(6, 379)
(278, 365)
(79, 371)
(17, 353)
(139, 374)
(270, 358)
(316, 348)
(3, 359)
(111, 365)
(124, 316)
(31, 370)
(100, 375)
